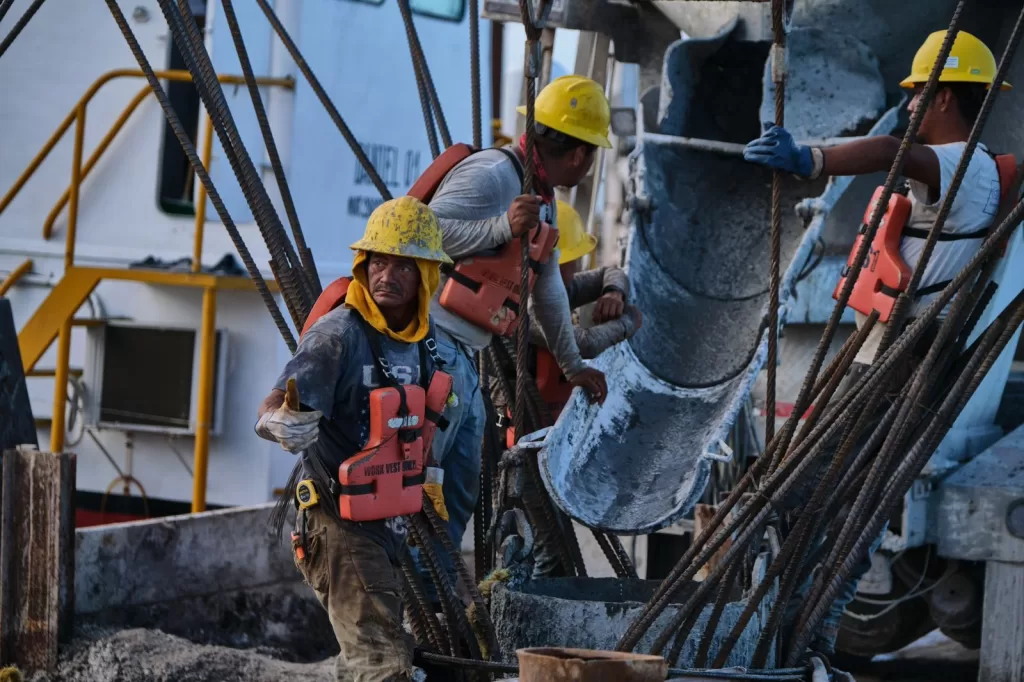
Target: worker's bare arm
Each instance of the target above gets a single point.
(876, 154)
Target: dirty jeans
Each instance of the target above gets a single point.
(457, 450)
(361, 588)
(800, 496)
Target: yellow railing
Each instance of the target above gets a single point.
(78, 282)
(16, 274)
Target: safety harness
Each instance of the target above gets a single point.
(885, 275)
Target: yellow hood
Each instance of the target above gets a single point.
(359, 298)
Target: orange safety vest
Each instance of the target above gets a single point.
(885, 275)
(484, 288)
(555, 390)
(385, 478)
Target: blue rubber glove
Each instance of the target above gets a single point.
(777, 149)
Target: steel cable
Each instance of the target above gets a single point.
(20, 25)
(419, 60)
(5, 5)
(779, 78)
(420, 533)
(803, 398)
(186, 36)
(309, 272)
(325, 100)
(993, 342)
(421, 85)
(190, 151)
(421, 614)
(474, 71)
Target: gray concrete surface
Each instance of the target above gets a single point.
(176, 557)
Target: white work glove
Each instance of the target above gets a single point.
(294, 430)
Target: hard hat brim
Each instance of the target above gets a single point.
(371, 246)
(588, 244)
(910, 82)
(590, 138)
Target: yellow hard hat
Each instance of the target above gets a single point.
(576, 106)
(573, 240)
(404, 227)
(970, 61)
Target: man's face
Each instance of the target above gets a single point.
(394, 280)
(569, 170)
(940, 104)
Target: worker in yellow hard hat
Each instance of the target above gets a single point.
(481, 207)
(614, 321)
(374, 337)
(964, 81)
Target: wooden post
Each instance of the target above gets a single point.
(37, 554)
(1002, 627)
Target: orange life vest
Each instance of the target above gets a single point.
(385, 478)
(885, 275)
(555, 390)
(484, 288)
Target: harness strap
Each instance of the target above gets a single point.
(921, 233)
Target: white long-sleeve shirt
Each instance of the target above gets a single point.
(471, 206)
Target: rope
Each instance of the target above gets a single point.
(474, 71)
(803, 399)
(325, 100)
(190, 151)
(421, 85)
(779, 76)
(20, 25)
(190, 44)
(310, 278)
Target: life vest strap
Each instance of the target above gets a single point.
(921, 233)
(415, 479)
(356, 489)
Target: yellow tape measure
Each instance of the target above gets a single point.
(305, 493)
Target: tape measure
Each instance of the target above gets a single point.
(305, 494)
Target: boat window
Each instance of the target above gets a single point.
(176, 180)
(449, 10)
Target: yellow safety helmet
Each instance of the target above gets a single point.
(970, 61)
(573, 240)
(576, 106)
(403, 227)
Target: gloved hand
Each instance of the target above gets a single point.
(294, 430)
(777, 149)
(433, 487)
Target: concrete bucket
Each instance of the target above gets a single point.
(698, 263)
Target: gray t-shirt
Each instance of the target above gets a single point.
(471, 206)
(335, 371)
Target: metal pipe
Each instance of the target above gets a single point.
(76, 182)
(727, 148)
(60, 387)
(16, 274)
(204, 408)
(197, 246)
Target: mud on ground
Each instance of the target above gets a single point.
(265, 635)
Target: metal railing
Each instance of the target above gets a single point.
(70, 199)
(79, 171)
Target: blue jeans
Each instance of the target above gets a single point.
(457, 448)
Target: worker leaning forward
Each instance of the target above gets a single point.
(929, 169)
(372, 395)
(614, 321)
(482, 212)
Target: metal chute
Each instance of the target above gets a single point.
(698, 267)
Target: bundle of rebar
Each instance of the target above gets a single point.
(862, 445)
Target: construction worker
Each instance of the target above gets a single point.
(481, 207)
(614, 319)
(929, 169)
(361, 370)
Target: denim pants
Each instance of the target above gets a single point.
(457, 448)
